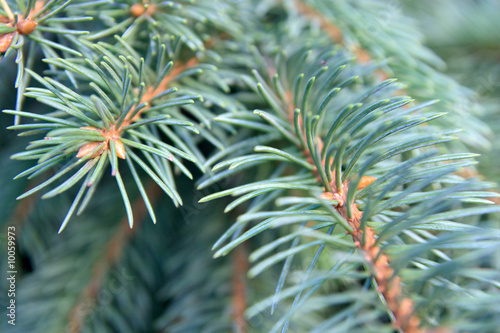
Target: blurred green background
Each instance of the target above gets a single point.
(466, 35)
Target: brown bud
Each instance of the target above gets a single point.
(120, 149)
(87, 148)
(327, 196)
(5, 41)
(27, 26)
(151, 9)
(137, 9)
(365, 181)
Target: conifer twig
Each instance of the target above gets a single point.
(240, 269)
(388, 285)
(113, 134)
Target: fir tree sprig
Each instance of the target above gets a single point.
(341, 169)
(344, 195)
(128, 106)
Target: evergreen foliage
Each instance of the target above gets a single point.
(317, 150)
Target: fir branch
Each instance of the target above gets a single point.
(137, 91)
(127, 119)
(347, 201)
(339, 165)
(239, 288)
(389, 285)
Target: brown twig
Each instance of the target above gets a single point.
(240, 269)
(113, 134)
(388, 285)
(110, 256)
